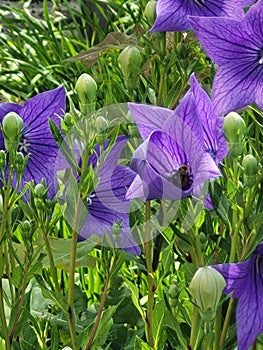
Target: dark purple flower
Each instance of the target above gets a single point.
(107, 208)
(237, 47)
(171, 163)
(172, 15)
(245, 282)
(36, 139)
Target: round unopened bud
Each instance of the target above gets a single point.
(149, 12)
(86, 89)
(206, 287)
(2, 160)
(130, 60)
(26, 228)
(250, 166)
(101, 124)
(20, 163)
(235, 127)
(39, 190)
(12, 124)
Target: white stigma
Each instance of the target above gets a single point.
(23, 145)
(261, 60)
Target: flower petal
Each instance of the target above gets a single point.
(172, 15)
(148, 118)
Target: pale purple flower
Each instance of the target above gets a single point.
(106, 205)
(237, 47)
(36, 138)
(244, 281)
(172, 15)
(171, 163)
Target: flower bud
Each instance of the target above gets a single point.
(26, 228)
(235, 130)
(39, 190)
(101, 124)
(149, 12)
(86, 89)
(206, 287)
(2, 160)
(250, 166)
(130, 60)
(20, 164)
(12, 124)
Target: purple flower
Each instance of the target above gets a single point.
(245, 282)
(214, 140)
(172, 15)
(237, 47)
(36, 138)
(171, 163)
(107, 212)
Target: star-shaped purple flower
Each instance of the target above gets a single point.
(237, 47)
(171, 163)
(245, 282)
(107, 208)
(36, 138)
(214, 140)
(172, 15)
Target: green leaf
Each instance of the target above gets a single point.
(158, 330)
(141, 345)
(61, 251)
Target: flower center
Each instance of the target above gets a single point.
(89, 199)
(200, 2)
(181, 177)
(23, 145)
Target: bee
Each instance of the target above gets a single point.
(181, 177)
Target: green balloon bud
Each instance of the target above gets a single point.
(86, 88)
(235, 130)
(206, 287)
(12, 124)
(101, 124)
(26, 228)
(149, 12)
(250, 167)
(2, 160)
(40, 190)
(130, 60)
(235, 127)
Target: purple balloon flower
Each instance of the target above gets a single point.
(107, 212)
(171, 163)
(172, 15)
(36, 138)
(214, 140)
(236, 46)
(245, 282)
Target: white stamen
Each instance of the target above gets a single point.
(23, 145)
(261, 61)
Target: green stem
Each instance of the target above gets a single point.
(226, 323)
(194, 328)
(151, 287)
(71, 315)
(100, 309)
(20, 304)
(53, 270)
(217, 328)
